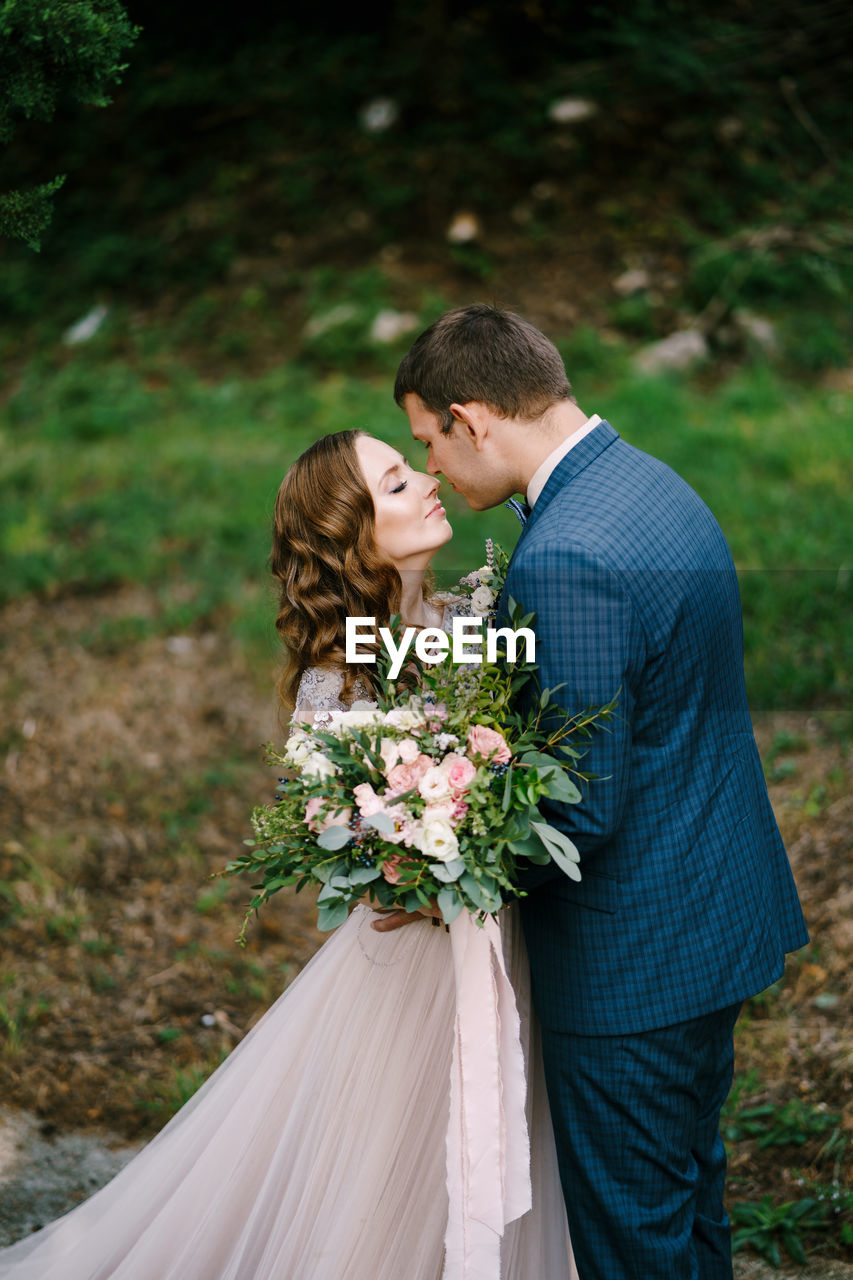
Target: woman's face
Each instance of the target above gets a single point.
(410, 523)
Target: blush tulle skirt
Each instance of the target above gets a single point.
(317, 1150)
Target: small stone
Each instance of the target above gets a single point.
(634, 280)
(180, 645)
(464, 228)
(826, 1001)
(757, 330)
(378, 115)
(388, 326)
(572, 110)
(338, 315)
(208, 1020)
(681, 350)
(86, 327)
(730, 128)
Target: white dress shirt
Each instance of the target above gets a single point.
(540, 476)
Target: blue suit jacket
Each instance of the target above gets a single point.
(687, 903)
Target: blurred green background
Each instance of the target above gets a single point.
(271, 207)
(247, 238)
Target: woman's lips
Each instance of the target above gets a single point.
(437, 509)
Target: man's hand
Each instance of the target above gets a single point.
(396, 919)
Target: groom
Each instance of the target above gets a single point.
(687, 905)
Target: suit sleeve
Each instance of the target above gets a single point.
(590, 640)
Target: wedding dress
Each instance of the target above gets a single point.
(317, 1150)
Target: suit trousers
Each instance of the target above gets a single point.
(642, 1163)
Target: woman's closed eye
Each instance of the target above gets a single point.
(400, 487)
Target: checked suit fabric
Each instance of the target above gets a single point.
(686, 903)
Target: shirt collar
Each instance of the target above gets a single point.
(540, 476)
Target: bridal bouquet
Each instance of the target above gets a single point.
(425, 795)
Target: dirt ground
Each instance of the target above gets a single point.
(129, 761)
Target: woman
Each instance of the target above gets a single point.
(317, 1150)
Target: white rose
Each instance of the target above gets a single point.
(409, 750)
(485, 574)
(361, 715)
(406, 718)
(434, 785)
(299, 746)
(481, 601)
(389, 752)
(435, 838)
(316, 765)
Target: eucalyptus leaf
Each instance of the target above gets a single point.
(329, 893)
(532, 848)
(334, 837)
(449, 904)
(325, 871)
(560, 847)
(561, 788)
(364, 875)
(539, 760)
(507, 795)
(447, 872)
(483, 892)
(380, 822)
(330, 915)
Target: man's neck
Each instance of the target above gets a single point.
(541, 438)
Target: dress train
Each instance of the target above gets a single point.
(317, 1150)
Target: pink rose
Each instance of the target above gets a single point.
(339, 818)
(405, 777)
(367, 800)
(458, 812)
(402, 826)
(436, 714)
(489, 744)
(459, 771)
(391, 870)
(408, 749)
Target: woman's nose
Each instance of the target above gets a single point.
(431, 486)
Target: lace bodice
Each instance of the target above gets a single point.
(319, 691)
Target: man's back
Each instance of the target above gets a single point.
(687, 902)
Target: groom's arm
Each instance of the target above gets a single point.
(589, 639)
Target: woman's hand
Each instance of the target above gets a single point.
(391, 920)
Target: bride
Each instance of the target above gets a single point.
(317, 1150)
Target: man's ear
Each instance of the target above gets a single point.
(475, 418)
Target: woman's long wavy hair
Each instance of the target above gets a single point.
(325, 558)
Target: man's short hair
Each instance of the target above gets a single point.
(485, 354)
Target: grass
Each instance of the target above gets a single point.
(120, 467)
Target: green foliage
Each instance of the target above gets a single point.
(168, 1096)
(49, 52)
(768, 1227)
(51, 55)
(793, 1123)
(27, 214)
(128, 468)
(778, 489)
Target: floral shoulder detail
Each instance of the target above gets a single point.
(319, 695)
(455, 606)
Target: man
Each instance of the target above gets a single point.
(686, 904)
